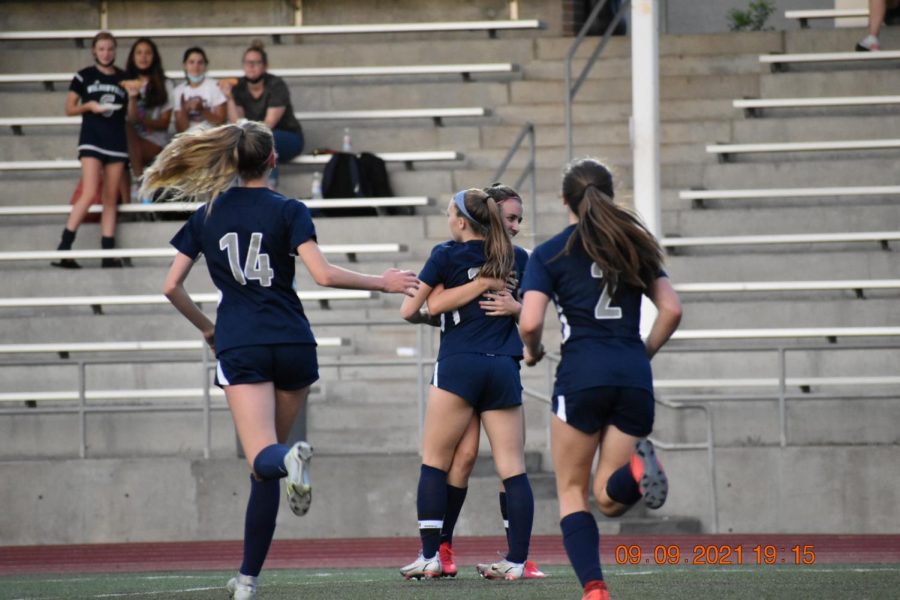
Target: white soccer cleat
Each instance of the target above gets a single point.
(298, 486)
(503, 569)
(242, 587)
(423, 567)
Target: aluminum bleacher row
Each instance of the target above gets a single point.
(491, 27)
(437, 115)
(805, 16)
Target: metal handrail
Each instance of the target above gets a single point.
(571, 90)
(530, 169)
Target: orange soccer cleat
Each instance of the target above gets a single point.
(448, 565)
(649, 474)
(595, 590)
(532, 571)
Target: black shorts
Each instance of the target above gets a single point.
(630, 409)
(288, 366)
(486, 381)
(105, 159)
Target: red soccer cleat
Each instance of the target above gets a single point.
(595, 590)
(649, 474)
(532, 571)
(447, 563)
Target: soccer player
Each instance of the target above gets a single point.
(96, 93)
(501, 303)
(477, 370)
(263, 342)
(596, 271)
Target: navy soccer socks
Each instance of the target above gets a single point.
(259, 523)
(431, 506)
(505, 515)
(581, 538)
(455, 498)
(622, 487)
(269, 463)
(520, 510)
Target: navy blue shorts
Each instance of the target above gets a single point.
(105, 159)
(630, 409)
(486, 381)
(288, 366)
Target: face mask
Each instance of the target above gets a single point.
(255, 79)
(196, 78)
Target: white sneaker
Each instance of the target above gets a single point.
(242, 587)
(503, 569)
(423, 567)
(298, 486)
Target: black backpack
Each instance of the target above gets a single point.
(365, 176)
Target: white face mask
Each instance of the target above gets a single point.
(196, 78)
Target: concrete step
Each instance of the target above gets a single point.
(776, 220)
(615, 112)
(790, 173)
(669, 65)
(678, 87)
(811, 129)
(827, 83)
(804, 264)
(748, 312)
(555, 48)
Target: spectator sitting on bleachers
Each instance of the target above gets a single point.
(261, 96)
(198, 101)
(149, 106)
(877, 11)
(96, 93)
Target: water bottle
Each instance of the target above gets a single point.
(347, 146)
(316, 190)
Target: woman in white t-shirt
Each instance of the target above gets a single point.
(198, 101)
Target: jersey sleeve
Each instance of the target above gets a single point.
(300, 225)
(77, 85)
(216, 97)
(279, 96)
(188, 240)
(434, 270)
(537, 276)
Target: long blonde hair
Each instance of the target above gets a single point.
(199, 165)
(485, 219)
(612, 236)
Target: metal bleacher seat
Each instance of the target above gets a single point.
(804, 16)
(880, 237)
(699, 196)
(794, 333)
(162, 207)
(491, 27)
(407, 158)
(726, 151)
(855, 285)
(779, 62)
(753, 106)
(350, 250)
(435, 114)
(463, 70)
(130, 346)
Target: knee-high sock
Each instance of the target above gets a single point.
(259, 524)
(65, 242)
(622, 487)
(520, 508)
(269, 463)
(455, 498)
(505, 514)
(431, 506)
(581, 537)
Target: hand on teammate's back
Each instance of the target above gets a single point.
(500, 304)
(398, 281)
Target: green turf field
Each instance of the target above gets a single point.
(875, 582)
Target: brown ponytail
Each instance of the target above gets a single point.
(485, 218)
(612, 236)
(201, 164)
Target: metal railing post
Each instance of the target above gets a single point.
(82, 406)
(530, 169)
(782, 393)
(207, 417)
(420, 378)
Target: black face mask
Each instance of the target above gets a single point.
(107, 65)
(255, 80)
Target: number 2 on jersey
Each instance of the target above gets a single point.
(603, 310)
(257, 266)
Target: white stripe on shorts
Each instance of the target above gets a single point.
(221, 374)
(435, 384)
(561, 407)
(433, 524)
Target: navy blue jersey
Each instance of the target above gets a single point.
(250, 239)
(102, 132)
(468, 328)
(601, 341)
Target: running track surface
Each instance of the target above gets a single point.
(393, 552)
